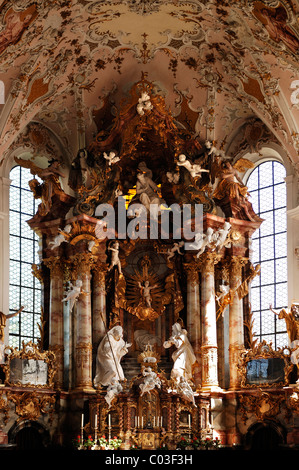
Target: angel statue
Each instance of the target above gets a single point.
(50, 186)
(73, 293)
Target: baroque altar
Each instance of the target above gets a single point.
(147, 268)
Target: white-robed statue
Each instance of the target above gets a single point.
(110, 352)
(183, 357)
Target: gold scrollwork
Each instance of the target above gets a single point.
(263, 405)
(30, 405)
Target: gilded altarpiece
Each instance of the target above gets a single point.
(155, 239)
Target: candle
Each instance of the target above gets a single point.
(189, 419)
(109, 420)
(82, 420)
(155, 421)
(161, 421)
(138, 422)
(158, 420)
(142, 422)
(135, 421)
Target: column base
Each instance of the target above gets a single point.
(210, 388)
(84, 388)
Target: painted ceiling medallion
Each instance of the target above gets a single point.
(108, 25)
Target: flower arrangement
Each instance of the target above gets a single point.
(135, 447)
(114, 443)
(183, 443)
(102, 442)
(209, 443)
(77, 441)
(89, 442)
(197, 443)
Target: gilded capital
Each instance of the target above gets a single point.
(56, 266)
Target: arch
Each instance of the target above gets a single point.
(29, 435)
(265, 435)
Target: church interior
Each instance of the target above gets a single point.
(149, 222)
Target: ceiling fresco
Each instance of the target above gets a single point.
(228, 70)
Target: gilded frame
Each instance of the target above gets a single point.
(30, 351)
(264, 350)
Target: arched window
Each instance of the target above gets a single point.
(24, 288)
(267, 188)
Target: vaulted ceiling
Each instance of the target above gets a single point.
(228, 70)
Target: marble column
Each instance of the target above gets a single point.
(209, 347)
(236, 328)
(193, 314)
(56, 321)
(99, 303)
(83, 329)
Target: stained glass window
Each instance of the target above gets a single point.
(267, 188)
(24, 288)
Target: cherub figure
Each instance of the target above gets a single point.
(185, 391)
(144, 104)
(151, 380)
(61, 237)
(176, 248)
(194, 169)
(220, 236)
(112, 390)
(115, 261)
(111, 158)
(73, 294)
(202, 240)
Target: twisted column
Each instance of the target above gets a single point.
(209, 347)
